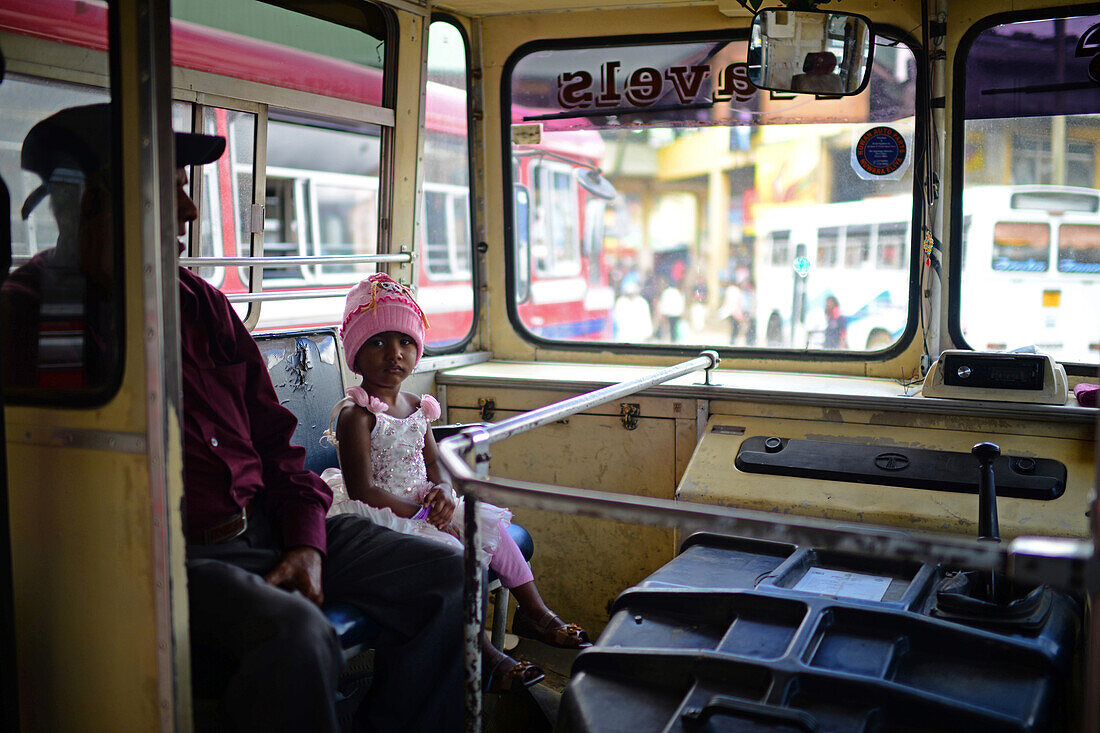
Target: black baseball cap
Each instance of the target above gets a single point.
(79, 139)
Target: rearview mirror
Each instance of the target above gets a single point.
(810, 52)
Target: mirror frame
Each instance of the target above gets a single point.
(863, 82)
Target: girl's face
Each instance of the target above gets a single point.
(386, 359)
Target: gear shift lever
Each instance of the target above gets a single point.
(988, 529)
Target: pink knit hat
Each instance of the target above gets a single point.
(376, 305)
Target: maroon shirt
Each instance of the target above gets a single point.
(236, 435)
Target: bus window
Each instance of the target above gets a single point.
(1020, 246)
(828, 245)
(1027, 210)
(276, 68)
(594, 232)
(61, 305)
(857, 246)
(522, 226)
(555, 234)
(446, 289)
(282, 214)
(714, 184)
(893, 245)
(447, 233)
(780, 248)
(1079, 248)
(226, 212)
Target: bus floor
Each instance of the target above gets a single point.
(536, 708)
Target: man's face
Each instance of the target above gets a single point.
(185, 207)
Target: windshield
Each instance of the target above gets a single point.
(733, 216)
(1029, 272)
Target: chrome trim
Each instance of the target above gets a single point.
(451, 361)
(273, 295)
(146, 68)
(78, 438)
(290, 261)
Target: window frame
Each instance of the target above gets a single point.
(474, 220)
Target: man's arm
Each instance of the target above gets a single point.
(296, 499)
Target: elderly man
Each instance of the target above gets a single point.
(261, 556)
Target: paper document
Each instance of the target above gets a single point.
(844, 584)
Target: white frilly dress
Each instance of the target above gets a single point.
(397, 466)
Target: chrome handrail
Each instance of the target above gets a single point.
(532, 419)
(265, 296)
(270, 296)
(293, 260)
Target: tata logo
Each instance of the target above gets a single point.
(891, 461)
(644, 87)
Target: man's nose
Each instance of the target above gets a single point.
(186, 211)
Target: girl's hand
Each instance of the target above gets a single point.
(440, 507)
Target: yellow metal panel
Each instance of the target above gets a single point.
(712, 478)
(408, 142)
(83, 589)
(990, 425)
(458, 397)
(581, 564)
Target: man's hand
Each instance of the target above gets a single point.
(300, 570)
(441, 508)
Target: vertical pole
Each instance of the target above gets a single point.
(472, 618)
(1090, 718)
(9, 687)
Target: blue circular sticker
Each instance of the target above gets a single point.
(802, 265)
(880, 151)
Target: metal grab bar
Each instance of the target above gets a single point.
(1055, 561)
(265, 296)
(291, 260)
(532, 419)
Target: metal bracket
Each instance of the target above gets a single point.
(629, 413)
(480, 450)
(488, 407)
(715, 360)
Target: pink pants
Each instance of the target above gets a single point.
(508, 562)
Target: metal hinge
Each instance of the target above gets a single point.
(629, 413)
(256, 223)
(488, 407)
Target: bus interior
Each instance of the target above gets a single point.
(775, 324)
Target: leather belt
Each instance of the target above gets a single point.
(225, 531)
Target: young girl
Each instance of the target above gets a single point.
(390, 474)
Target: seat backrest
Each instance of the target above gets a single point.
(305, 370)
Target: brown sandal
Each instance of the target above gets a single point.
(550, 629)
(519, 676)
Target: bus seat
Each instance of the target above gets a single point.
(306, 373)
